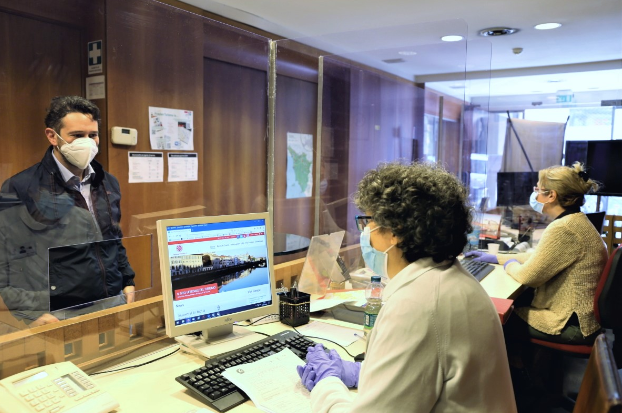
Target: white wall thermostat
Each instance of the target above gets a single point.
(124, 136)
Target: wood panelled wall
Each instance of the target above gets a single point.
(163, 56)
(42, 55)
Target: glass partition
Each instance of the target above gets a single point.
(194, 92)
(372, 105)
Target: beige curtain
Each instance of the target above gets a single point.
(542, 142)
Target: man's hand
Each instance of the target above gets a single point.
(129, 293)
(44, 319)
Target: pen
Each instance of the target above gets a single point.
(294, 291)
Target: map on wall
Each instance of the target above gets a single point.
(299, 165)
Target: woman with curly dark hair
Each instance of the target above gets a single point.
(437, 344)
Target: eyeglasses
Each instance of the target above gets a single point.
(540, 190)
(362, 221)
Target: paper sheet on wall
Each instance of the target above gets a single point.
(299, 165)
(171, 129)
(183, 167)
(145, 167)
(281, 391)
(96, 87)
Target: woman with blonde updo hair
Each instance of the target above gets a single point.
(566, 265)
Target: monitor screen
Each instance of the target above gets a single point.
(515, 188)
(602, 162)
(215, 271)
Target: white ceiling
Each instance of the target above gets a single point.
(584, 55)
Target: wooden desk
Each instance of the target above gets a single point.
(152, 388)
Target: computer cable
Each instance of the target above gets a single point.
(303, 335)
(325, 339)
(137, 365)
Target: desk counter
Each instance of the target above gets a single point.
(498, 284)
(152, 388)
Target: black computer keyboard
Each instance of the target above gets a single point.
(478, 269)
(208, 385)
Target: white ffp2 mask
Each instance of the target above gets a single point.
(80, 152)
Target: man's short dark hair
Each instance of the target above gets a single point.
(61, 106)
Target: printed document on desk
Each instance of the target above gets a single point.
(333, 299)
(272, 383)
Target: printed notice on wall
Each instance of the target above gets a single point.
(170, 129)
(183, 167)
(146, 167)
(96, 87)
(299, 163)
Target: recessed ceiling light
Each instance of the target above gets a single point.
(536, 91)
(593, 88)
(547, 26)
(553, 80)
(452, 38)
(407, 53)
(497, 31)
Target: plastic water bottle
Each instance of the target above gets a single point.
(373, 294)
(473, 238)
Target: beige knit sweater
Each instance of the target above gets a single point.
(564, 269)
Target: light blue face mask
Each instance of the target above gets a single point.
(374, 259)
(535, 204)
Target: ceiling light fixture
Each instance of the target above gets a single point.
(407, 53)
(497, 31)
(547, 26)
(452, 38)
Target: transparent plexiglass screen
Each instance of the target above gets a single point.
(199, 105)
(372, 105)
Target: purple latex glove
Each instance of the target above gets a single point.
(322, 365)
(509, 261)
(307, 372)
(307, 376)
(349, 370)
(482, 256)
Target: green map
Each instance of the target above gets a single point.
(302, 168)
(299, 165)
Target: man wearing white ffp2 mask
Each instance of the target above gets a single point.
(80, 152)
(75, 206)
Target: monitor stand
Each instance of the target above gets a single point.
(219, 340)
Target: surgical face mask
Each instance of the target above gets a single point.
(323, 186)
(80, 152)
(376, 260)
(535, 204)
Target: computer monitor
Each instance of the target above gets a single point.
(601, 159)
(216, 270)
(515, 188)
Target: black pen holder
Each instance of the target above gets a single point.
(294, 310)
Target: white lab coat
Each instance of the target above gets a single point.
(437, 346)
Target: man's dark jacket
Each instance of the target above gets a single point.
(92, 263)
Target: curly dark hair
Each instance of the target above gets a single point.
(422, 204)
(61, 106)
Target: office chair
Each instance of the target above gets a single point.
(597, 219)
(608, 313)
(601, 388)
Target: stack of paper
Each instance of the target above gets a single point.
(272, 383)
